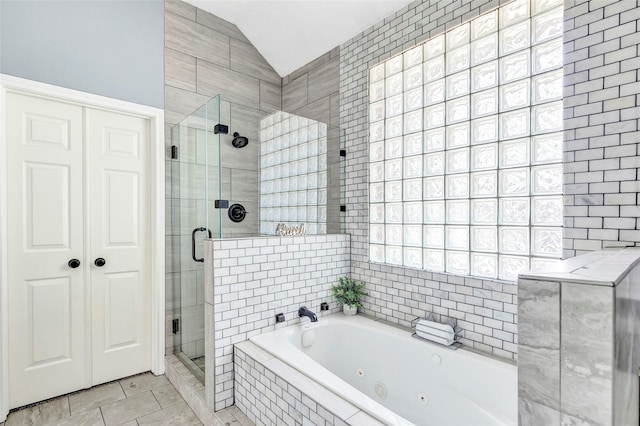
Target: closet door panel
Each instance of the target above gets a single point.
(47, 326)
(117, 163)
(121, 209)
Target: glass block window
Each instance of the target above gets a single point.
(465, 167)
(293, 173)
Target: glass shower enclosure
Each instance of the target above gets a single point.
(195, 187)
(238, 171)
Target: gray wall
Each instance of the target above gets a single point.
(312, 90)
(109, 48)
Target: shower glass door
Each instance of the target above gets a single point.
(195, 186)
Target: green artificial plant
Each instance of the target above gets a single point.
(348, 291)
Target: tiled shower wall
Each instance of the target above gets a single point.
(256, 278)
(206, 56)
(485, 309)
(601, 108)
(312, 91)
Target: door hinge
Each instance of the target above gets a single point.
(221, 204)
(175, 325)
(221, 129)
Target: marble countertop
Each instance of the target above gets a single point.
(604, 268)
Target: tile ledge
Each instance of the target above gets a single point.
(604, 268)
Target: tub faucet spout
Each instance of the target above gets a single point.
(304, 312)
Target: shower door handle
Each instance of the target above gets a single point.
(193, 243)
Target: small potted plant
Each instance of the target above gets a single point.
(348, 292)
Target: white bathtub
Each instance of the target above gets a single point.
(395, 378)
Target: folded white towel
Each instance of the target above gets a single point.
(446, 328)
(435, 324)
(447, 334)
(441, 340)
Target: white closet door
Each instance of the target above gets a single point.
(45, 231)
(118, 194)
(78, 190)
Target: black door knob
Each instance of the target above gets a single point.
(100, 262)
(73, 263)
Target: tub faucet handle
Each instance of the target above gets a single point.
(305, 312)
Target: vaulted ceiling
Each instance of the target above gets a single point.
(291, 33)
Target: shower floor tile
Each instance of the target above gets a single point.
(199, 361)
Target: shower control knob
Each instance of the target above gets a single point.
(237, 213)
(73, 263)
(99, 262)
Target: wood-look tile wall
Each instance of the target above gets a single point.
(312, 91)
(206, 56)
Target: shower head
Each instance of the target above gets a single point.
(239, 141)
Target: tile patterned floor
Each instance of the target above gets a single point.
(143, 399)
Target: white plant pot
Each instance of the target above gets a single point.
(349, 310)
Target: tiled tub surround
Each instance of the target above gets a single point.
(248, 281)
(487, 308)
(272, 393)
(395, 378)
(600, 100)
(579, 342)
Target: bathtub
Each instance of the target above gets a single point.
(395, 378)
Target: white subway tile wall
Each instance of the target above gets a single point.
(293, 173)
(256, 278)
(467, 179)
(601, 111)
(486, 309)
(600, 104)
